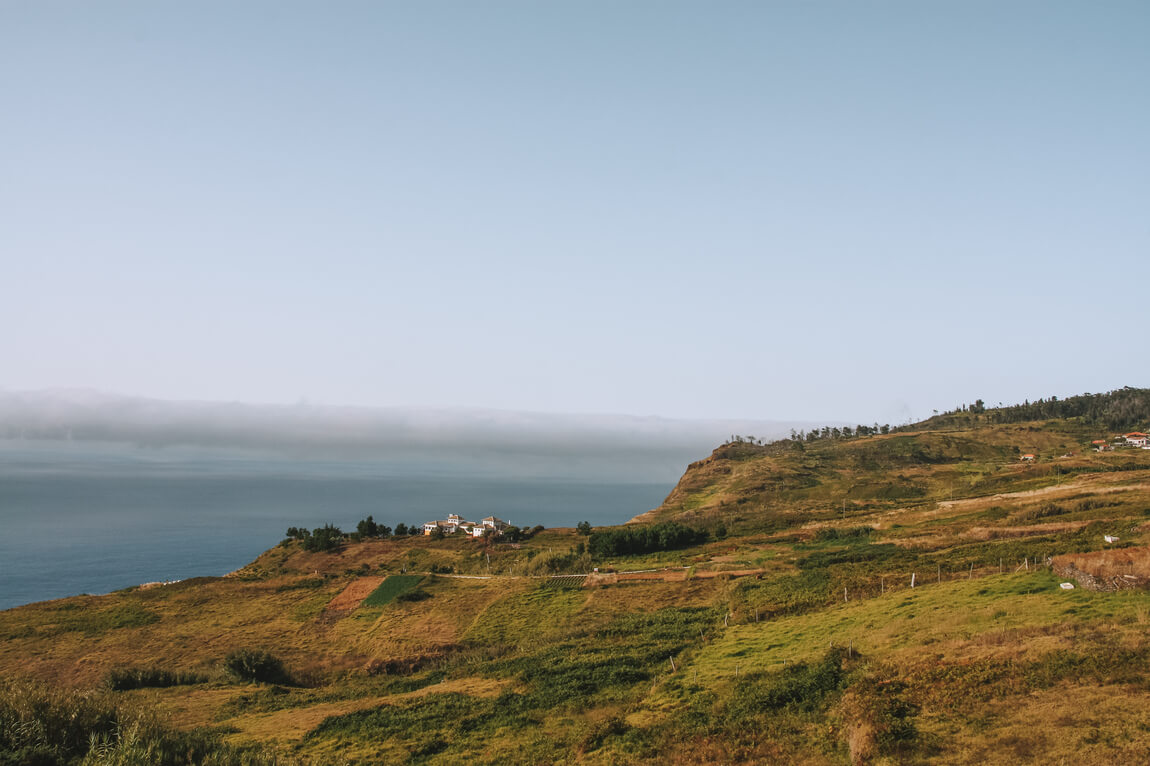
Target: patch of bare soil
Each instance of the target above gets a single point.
(351, 596)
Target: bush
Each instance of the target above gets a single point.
(1041, 512)
(855, 533)
(122, 679)
(256, 665)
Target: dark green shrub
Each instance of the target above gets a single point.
(854, 533)
(255, 665)
(122, 679)
(622, 541)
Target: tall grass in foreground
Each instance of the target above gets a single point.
(40, 726)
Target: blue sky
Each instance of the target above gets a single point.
(801, 211)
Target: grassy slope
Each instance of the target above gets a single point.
(961, 669)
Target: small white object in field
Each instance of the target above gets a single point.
(1110, 538)
(1067, 586)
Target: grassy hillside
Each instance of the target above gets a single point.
(782, 626)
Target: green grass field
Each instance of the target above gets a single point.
(391, 588)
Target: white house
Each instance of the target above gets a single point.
(448, 525)
(1137, 439)
(492, 522)
(455, 523)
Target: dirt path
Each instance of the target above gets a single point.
(670, 575)
(991, 533)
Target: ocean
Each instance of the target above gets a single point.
(91, 518)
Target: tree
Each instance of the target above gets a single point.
(298, 533)
(383, 531)
(400, 529)
(367, 527)
(325, 538)
(437, 533)
(584, 527)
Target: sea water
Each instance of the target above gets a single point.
(92, 519)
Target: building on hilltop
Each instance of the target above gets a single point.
(455, 523)
(491, 522)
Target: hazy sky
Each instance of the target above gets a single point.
(856, 211)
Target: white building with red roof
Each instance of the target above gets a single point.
(1138, 439)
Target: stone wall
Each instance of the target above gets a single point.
(1090, 582)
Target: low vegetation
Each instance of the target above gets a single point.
(873, 596)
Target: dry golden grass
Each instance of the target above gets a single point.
(1111, 563)
(998, 533)
(1079, 725)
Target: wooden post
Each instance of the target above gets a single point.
(673, 669)
(912, 574)
(845, 593)
(971, 571)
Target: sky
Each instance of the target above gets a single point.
(777, 210)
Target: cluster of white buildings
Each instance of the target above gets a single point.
(453, 523)
(1134, 439)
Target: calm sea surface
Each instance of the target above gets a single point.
(80, 519)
